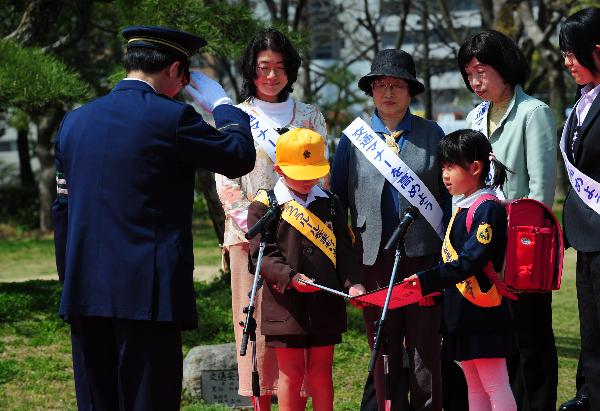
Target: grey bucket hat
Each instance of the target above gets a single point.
(392, 63)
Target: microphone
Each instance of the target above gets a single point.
(410, 215)
(264, 221)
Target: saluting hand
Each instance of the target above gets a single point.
(206, 92)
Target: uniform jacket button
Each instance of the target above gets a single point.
(309, 250)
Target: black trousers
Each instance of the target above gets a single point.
(126, 365)
(588, 299)
(533, 369)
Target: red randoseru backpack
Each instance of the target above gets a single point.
(534, 250)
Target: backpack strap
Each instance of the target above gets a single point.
(488, 269)
(473, 208)
(272, 198)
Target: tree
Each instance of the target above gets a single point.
(84, 36)
(38, 84)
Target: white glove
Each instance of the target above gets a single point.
(206, 92)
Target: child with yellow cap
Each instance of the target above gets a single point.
(310, 242)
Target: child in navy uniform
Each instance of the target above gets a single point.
(311, 243)
(476, 324)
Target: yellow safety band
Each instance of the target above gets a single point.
(262, 197)
(311, 226)
(469, 288)
(161, 41)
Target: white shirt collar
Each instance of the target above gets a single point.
(143, 81)
(466, 202)
(281, 114)
(283, 194)
(588, 95)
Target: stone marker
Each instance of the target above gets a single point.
(210, 373)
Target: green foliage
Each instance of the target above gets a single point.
(213, 301)
(335, 109)
(19, 120)
(226, 27)
(31, 80)
(19, 205)
(8, 370)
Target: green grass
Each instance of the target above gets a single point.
(35, 360)
(26, 256)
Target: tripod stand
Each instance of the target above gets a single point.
(250, 328)
(380, 342)
(397, 241)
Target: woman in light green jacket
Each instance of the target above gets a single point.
(523, 135)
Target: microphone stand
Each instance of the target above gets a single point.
(397, 240)
(380, 325)
(250, 329)
(249, 325)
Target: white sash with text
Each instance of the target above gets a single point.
(586, 187)
(262, 131)
(396, 172)
(479, 123)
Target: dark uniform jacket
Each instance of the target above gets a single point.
(286, 311)
(460, 315)
(580, 221)
(123, 232)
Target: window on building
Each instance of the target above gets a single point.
(324, 36)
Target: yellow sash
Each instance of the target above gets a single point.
(469, 288)
(311, 226)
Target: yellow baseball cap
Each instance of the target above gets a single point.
(300, 153)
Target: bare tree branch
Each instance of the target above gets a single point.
(402, 24)
(272, 9)
(448, 23)
(299, 14)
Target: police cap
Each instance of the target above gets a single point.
(171, 41)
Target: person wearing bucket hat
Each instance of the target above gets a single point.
(310, 243)
(269, 68)
(126, 165)
(375, 207)
(392, 63)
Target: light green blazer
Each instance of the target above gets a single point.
(525, 142)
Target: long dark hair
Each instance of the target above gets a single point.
(463, 147)
(580, 33)
(269, 39)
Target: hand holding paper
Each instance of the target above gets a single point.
(426, 301)
(301, 283)
(356, 289)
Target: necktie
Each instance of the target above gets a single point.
(390, 140)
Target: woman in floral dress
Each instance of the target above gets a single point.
(269, 68)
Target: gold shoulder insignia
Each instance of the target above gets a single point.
(484, 233)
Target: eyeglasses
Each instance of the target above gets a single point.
(265, 71)
(393, 87)
(568, 56)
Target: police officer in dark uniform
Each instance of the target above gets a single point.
(125, 176)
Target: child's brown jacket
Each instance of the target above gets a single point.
(286, 311)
